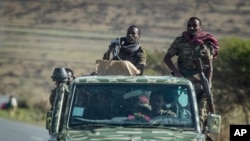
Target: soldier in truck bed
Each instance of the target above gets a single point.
(129, 48)
(191, 45)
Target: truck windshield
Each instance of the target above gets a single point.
(138, 105)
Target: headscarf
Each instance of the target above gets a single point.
(131, 47)
(202, 37)
(125, 46)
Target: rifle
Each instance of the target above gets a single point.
(115, 46)
(205, 85)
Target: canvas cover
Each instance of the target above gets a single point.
(116, 67)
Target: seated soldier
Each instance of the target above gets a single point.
(135, 101)
(157, 103)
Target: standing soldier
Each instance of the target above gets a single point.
(194, 44)
(67, 80)
(129, 49)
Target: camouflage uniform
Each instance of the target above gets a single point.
(52, 98)
(138, 57)
(66, 80)
(53, 95)
(164, 112)
(186, 53)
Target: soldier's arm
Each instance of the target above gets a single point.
(209, 61)
(106, 55)
(141, 61)
(172, 51)
(209, 72)
(168, 61)
(52, 98)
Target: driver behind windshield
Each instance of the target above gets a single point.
(157, 103)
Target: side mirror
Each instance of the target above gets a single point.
(214, 122)
(48, 120)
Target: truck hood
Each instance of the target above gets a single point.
(131, 134)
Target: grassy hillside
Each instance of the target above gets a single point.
(161, 17)
(37, 36)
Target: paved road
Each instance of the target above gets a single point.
(11, 130)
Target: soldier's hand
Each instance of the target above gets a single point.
(171, 113)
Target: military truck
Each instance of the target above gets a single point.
(118, 108)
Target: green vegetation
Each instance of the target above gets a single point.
(234, 62)
(33, 116)
(231, 77)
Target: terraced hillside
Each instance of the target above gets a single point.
(161, 17)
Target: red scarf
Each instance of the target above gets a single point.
(202, 37)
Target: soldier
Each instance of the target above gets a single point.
(157, 103)
(192, 44)
(129, 49)
(68, 81)
(71, 75)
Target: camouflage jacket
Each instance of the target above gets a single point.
(164, 112)
(53, 95)
(187, 53)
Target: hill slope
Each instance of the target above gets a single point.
(161, 17)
